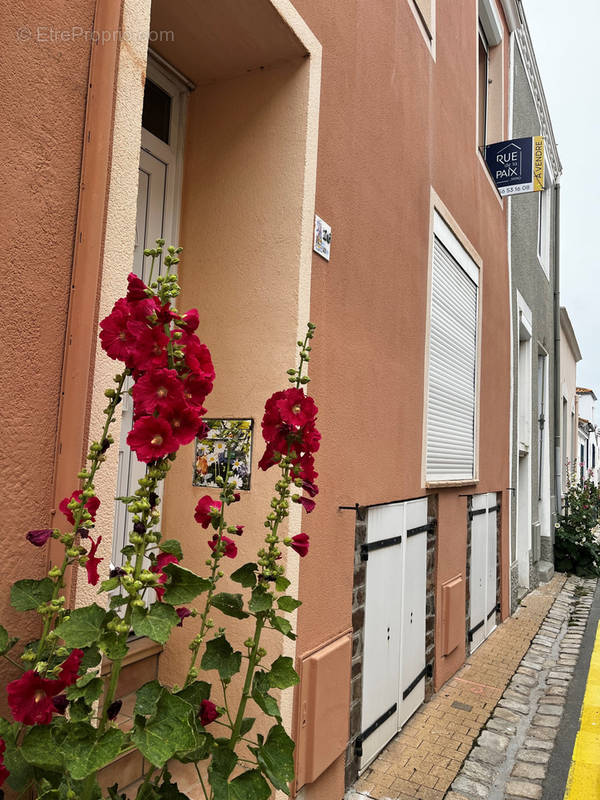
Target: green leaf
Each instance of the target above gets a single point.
(170, 791)
(83, 627)
(169, 730)
(28, 594)
(281, 584)
(117, 600)
(129, 549)
(79, 710)
(247, 724)
(89, 688)
(230, 604)
(276, 758)
(108, 585)
(21, 772)
(219, 655)
(173, 547)
(222, 765)
(8, 730)
(113, 645)
(184, 585)
(85, 752)
(287, 603)
(195, 693)
(261, 600)
(91, 658)
(282, 674)
(147, 698)
(245, 575)
(283, 625)
(261, 696)
(40, 749)
(250, 786)
(156, 623)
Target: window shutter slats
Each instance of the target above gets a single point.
(450, 452)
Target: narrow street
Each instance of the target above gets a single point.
(505, 725)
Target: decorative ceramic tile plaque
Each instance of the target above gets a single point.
(233, 436)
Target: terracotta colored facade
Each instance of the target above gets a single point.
(324, 107)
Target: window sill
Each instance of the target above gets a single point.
(450, 484)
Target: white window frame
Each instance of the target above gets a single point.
(460, 249)
(544, 227)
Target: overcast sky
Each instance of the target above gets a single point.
(568, 57)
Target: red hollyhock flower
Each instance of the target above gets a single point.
(206, 508)
(161, 562)
(195, 389)
(197, 356)
(4, 773)
(115, 337)
(151, 438)
(182, 613)
(230, 546)
(239, 529)
(184, 420)
(150, 346)
(39, 538)
(300, 544)
(208, 713)
(136, 289)
(156, 389)
(70, 667)
(30, 698)
(296, 408)
(92, 562)
(304, 467)
(311, 439)
(92, 505)
(307, 504)
(268, 459)
(191, 320)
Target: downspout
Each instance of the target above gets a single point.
(556, 387)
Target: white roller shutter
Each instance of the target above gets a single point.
(452, 360)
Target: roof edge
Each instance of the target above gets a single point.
(565, 321)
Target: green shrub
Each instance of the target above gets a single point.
(576, 549)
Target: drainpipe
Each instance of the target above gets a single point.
(557, 409)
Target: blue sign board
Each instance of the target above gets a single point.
(517, 166)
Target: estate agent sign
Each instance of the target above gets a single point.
(517, 166)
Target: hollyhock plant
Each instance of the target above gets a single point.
(65, 701)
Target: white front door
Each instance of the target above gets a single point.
(158, 201)
(483, 573)
(394, 627)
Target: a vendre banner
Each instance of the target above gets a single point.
(517, 166)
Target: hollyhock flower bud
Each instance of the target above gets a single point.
(113, 710)
(300, 544)
(116, 572)
(60, 703)
(137, 289)
(206, 510)
(208, 713)
(40, 537)
(230, 546)
(139, 528)
(91, 505)
(190, 320)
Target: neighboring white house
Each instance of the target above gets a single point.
(587, 433)
(570, 355)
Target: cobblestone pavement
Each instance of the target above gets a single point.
(510, 758)
(424, 759)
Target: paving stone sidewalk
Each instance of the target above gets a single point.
(423, 760)
(510, 758)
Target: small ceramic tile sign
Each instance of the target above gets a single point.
(322, 244)
(227, 439)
